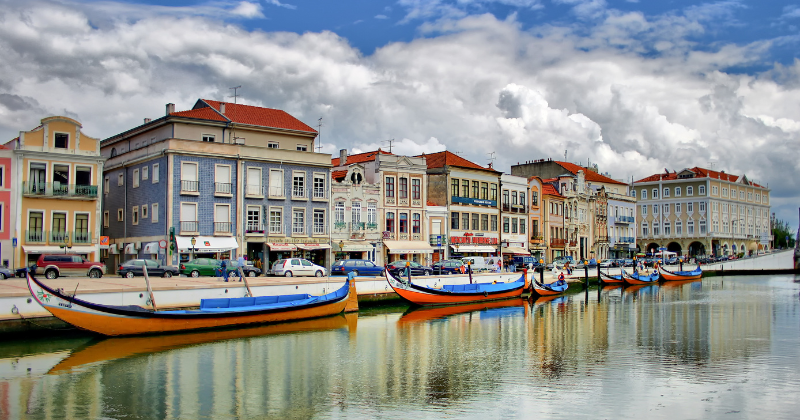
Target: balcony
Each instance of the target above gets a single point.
(189, 226)
(319, 229)
(225, 188)
(623, 220)
(190, 187)
(514, 208)
(357, 226)
(254, 191)
(340, 225)
(36, 235)
(298, 229)
(56, 189)
(255, 228)
(81, 237)
(372, 226)
(558, 243)
(274, 229)
(535, 238)
(222, 227)
(276, 192)
(625, 240)
(573, 243)
(58, 236)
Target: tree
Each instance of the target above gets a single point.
(784, 237)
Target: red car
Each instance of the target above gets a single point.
(55, 265)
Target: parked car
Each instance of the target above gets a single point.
(5, 273)
(296, 267)
(608, 263)
(22, 271)
(416, 269)
(627, 262)
(448, 267)
(135, 267)
(56, 265)
(478, 263)
(359, 267)
(249, 270)
(199, 267)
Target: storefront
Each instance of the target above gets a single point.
(317, 253)
(216, 247)
(460, 251)
(355, 250)
(417, 251)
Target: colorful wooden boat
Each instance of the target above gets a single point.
(424, 314)
(451, 294)
(637, 278)
(609, 279)
(667, 275)
(213, 313)
(555, 288)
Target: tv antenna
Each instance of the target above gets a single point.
(235, 92)
(491, 158)
(319, 135)
(390, 141)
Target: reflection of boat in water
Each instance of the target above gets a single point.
(640, 288)
(450, 294)
(667, 275)
(552, 299)
(213, 313)
(416, 315)
(107, 349)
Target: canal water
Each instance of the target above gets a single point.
(724, 347)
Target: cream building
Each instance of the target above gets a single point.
(701, 212)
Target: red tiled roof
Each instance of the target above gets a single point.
(245, 114)
(589, 174)
(699, 173)
(359, 158)
(549, 189)
(338, 175)
(440, 159)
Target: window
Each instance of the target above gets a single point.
(189, 182)
(120, 215)
(120, 179)
(222, 218)
(702, 227)
(701, 190)
(633, 193)
(644, 194)
(644, 229)
(741, 195)
(276, 219)
(454, 220)
(302, 148)
(505, 198)
(416, 223)
(276, 183)
(534, 198)
(690, 227)
(514, 225)
(319, 222)
(714, 190)
(416, 189)
(522, 226)
(667, 228)
(135, 215)
(338, 212)
(677, 191)
(715, 206)
(59, 228)
(154, 211)
(484, 190)
(475, 189)
(476, 221)
(61, 141)
(253, 221)
(145, 173)
(485, 222)
(666, 192)
(106, 219)
(403, 188)
(666, 208)
(724, 192)
(156, 174)
(253, 180)
(644, 209)
(372, 213)
(677, 208)
(298, 221)
(465, 188)
(403, 223)
(319, 186)
(655, 208)
(505, 225)
(81, 234)
(514, 198)
(689, 207)
(144, 211)
(208, 138)
(494, 223)
(656, 229)
(454, 187)
(465, 221)
(273, 145)
(702, 207)
(390, 221)
(355, 214)
(189, 217)
(136, 178)
(299, 185)
(522, 198)
(678, 228)
(389, 187)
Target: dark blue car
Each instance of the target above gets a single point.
(360, 267)
(448, 267)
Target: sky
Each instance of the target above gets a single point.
(635, 87)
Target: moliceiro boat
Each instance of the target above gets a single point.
(450, 294)
(555, 288)
(637, 278)
(609, 279)
(213, 313)
(667, 275)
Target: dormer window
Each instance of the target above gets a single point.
(61, 141)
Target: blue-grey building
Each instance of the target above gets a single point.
(219, 180)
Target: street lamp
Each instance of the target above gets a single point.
(193, 241)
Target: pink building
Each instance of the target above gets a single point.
(7, 218)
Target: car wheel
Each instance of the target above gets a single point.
(287, 274)
(318, 273)
(195, 273)
(129, 274)
(168, 274)
(95, 274)
(355, 272)
(2, 276)
(51, 274)
(251, 274)
(427, 272)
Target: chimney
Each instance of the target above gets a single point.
(147, 120)
(170, 108)
(342, 157)
(222, 108)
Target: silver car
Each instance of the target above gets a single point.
(297, 267)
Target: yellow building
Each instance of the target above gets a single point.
(56, 190)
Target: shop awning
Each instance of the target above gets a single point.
(313, 247)
(114, 249)
(152, 248)
(206, 243)
(515, 250)
(357, 247)
(130, 248)
(408, 247)
(54, 249)
(281, 247)
(474, 248)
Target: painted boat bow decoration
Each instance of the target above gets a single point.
(455, 293)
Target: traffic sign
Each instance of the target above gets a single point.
(439, 240)
(162, 244)
(14, 242)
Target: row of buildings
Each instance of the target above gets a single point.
(224, 179)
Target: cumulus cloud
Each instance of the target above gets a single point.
(629, 92)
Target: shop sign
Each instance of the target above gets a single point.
(474, 240)
(283, 240)
(475, 201)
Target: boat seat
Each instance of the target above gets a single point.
(265, 300)
(288, 298)
(214, 303)
(242, 301)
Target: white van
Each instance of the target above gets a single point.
(477, 263)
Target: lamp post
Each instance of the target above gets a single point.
(341, 247)
(193, 241)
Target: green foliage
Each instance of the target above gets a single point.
(784, 237)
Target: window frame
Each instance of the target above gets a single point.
(154, 212)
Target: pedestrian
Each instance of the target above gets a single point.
(240, 262)
(224, 270)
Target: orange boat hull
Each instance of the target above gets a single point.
(421, 298)
(672, 277)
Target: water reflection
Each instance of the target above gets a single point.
(557, 357)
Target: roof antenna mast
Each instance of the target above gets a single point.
(319, 135)
(235, 94)
(390, 141)
(491, 159)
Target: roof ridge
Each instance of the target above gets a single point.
(216, 110)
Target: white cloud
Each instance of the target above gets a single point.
(247, 10)
(630, 92)
(381, 17)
